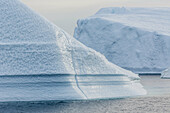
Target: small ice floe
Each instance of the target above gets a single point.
(166, 73)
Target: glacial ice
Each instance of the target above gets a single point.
(40, 61)
(137, 39)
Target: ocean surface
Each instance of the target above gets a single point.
(155, 85)
(157, 100)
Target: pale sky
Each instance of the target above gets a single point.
(65, 13)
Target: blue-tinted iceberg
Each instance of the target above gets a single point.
(40, 61)
(137, 39)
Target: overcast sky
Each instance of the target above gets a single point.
(65, 13)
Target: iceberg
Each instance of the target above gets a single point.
(166, 73)
(40, 61)
(136, 39)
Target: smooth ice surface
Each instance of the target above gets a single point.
(67, 87)
(137, 39)
(31, 45)
(166, 73)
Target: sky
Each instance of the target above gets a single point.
(65, 13)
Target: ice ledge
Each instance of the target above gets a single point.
(67, 87)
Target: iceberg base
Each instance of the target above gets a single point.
(67, 87)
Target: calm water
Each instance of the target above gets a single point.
(155, 85)
(157, 101)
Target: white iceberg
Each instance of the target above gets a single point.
(166, 73)
(137, 39)
(54, 62)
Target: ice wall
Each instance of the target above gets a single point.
(137, 39)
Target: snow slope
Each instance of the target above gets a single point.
(137, 39)
(31, 45)
(165, 73)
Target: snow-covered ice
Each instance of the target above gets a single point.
(137, 39)
(30, 44)
(53, 61)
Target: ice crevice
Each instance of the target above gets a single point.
(77, 83)
(73, 65)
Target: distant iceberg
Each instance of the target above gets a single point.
(137, 39)
(166, 73)
(58, 67)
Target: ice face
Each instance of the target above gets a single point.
(133, 38)
(67, 87)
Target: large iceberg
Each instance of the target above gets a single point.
(55, 63)
(137, 39)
